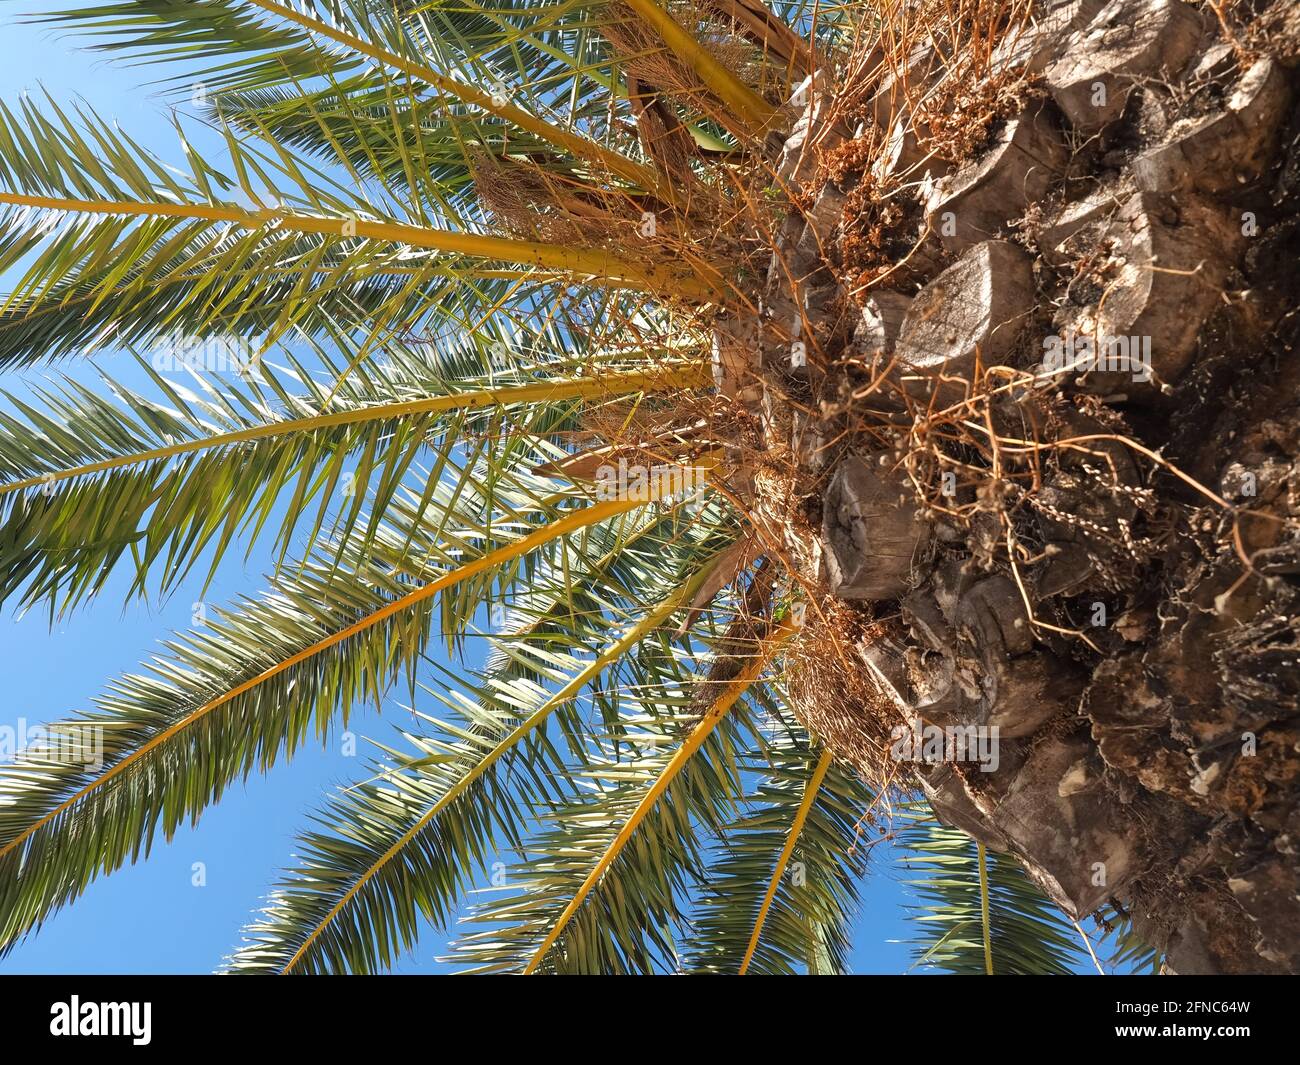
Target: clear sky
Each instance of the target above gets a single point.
(151, 917)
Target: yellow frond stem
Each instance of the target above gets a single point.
(796, 826)
(757, 115)
(613, 653)
(596, 386)
(680, 757)
(578, 146)
(984, 909)
(578, 263)
(571, 522)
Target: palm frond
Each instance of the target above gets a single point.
(781, 894)
(811, 788)
(392, 835)
(220, 701)
(605, 881)
(262, 44)
(1027, 934)
(113, 246)
(88, 479)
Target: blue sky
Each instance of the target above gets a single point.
(150, 917)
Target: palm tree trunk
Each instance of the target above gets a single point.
(1089, 555)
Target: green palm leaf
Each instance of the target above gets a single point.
(220, 703)
(1027, 934)
(87, 480)
(813, 899)
(397, 847)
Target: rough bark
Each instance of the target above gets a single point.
(1138, 643)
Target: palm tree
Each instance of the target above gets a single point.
(510, 255)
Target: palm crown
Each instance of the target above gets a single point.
(492, 245)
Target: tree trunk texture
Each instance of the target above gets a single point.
(1116, 586)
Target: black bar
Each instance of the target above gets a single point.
(368, 1014)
